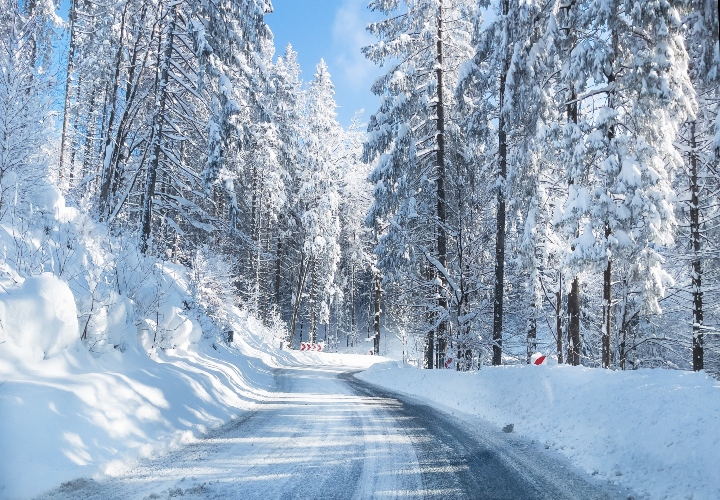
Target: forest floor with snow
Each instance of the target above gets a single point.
(653, 431)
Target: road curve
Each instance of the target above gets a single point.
(326, 434)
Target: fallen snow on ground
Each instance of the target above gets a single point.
(655, 431)
(75, 415)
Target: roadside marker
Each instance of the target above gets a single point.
(307, 346)
(540, 360)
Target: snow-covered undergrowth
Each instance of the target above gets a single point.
(654, 431)
(107, 355)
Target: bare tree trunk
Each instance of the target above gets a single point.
(697, 290)
(573, 298)
(574, 323)
(68, 79)
(607, 274)
(558, 322)
(607, 304)
(109, 146)
(313, 302)
(430, 336)
(574, 295)
(376, 317)
(441, 202)
(352, 307)
(500, 232)
(278, 271)
(158, 122)
(302, 276)
(532, 332)
(623, 326)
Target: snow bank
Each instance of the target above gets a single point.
(79, 415)
(39, 316)
(654, 431)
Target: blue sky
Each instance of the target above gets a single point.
(333, 30)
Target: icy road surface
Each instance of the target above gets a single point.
(327, 435)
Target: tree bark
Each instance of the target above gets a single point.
(574, 295)
(500, 232)
(313, 302)
(158, 122)
(441, 201)
(532, 332)
(68, 79)
(109, 146)
(302, 276)
(607, 274)
(278, 271)
(574, 323)
(558, 322)
(697, 291)
(376, 318)
(607, 304)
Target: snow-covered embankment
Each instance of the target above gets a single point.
(654, 431)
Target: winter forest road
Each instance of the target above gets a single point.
(328, 435)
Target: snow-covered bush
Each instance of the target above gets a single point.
(211, 283)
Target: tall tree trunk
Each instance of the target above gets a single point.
(302, 276)
(607, 304)
(558, 322)
(442, 333)
(623, 326)
(607, 274)
(574, 295)
(109, 145)
(278, 271)
(352, 305)
(157, 132)
(573, 298)
(377, 279)
(313, 302)
(697, 291)
(574, 323)
(532, 331)
(430, 336)
(500, 231)
(68, 79)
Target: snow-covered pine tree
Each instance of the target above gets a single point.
(630, 74)
(504, 97)
(424, 43)
(698, 184)
(287, 114)
(319, 194)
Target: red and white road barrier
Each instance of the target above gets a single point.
(538, 359)
(307, 346)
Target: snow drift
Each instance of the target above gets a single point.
(654, 431)
(39, 316)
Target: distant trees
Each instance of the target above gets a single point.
(181, 130)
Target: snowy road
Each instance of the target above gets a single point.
(328, 435)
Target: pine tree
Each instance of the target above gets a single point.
(424, 45)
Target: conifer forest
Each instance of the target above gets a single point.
(539, 175)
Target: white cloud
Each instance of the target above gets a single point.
(349, 36)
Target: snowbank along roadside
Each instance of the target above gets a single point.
(655, 431)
